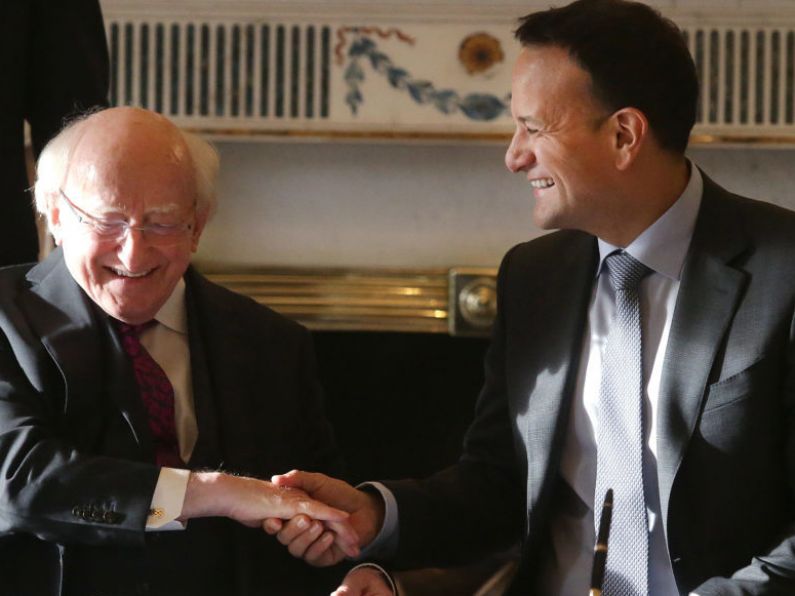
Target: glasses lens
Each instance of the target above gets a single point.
(158, 235)
(166, 230)
(108, 229)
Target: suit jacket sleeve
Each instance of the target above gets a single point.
(477, 505)
(69, 68)
(51, 483)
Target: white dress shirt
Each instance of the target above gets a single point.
(662, 247)
(167, 343)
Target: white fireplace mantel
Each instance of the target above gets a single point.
(432, 69)
(446, 10)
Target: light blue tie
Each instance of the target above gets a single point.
(620, 438)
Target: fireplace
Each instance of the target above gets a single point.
(399, 355)
(399, 402)
(400, 359)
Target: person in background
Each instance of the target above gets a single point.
(140, 404)
(53, 64)
(648, 347)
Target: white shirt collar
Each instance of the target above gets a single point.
(663, 246)
(173, 313)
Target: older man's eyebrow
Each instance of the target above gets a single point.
(529, 120)
(116, 212)
(163, 209)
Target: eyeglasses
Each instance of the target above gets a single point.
(116, 230)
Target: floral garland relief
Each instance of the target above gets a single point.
(478, 53)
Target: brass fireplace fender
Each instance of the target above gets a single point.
(458, 301)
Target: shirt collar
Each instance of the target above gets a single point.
(173, 313)
(662, 247)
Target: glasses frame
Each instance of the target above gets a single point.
(149, 231)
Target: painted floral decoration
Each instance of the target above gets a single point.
(362, 49)
(479, 52)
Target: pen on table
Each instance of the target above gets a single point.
(600, 548)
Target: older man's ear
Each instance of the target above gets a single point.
(53, 216)
(202, 216)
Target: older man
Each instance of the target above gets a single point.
(649, 348)
(123, 372)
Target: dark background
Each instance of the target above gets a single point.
(399, 402)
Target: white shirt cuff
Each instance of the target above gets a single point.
(167, 500)
(385, 542)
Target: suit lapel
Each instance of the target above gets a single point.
(552, 334)
(60, 315)
(76, 339)
(206, 452)
(708, 296)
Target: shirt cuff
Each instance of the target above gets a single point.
(167, 500)
(385, 543)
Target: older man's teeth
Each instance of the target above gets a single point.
(542, 183)
(130, 273)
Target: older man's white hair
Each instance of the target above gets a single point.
(55, 159)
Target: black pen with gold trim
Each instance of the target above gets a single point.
(600, 548)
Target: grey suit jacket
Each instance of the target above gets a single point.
(726, 442)
(76, 458)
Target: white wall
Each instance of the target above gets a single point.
(767, 174)
(397, 205)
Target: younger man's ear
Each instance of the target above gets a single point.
(631, 128)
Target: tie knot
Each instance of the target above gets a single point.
(625, 271)
(127, 330)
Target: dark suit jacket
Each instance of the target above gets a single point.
(76, 457)
(53, 63)
(726, 442)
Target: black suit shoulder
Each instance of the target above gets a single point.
(11, 279)
(14, 282)
(238, 313)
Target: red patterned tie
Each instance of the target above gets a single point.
(157, 395)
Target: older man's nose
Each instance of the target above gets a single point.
(132, 248)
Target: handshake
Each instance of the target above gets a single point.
(319, 519)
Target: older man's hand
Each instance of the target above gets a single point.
(250, 501)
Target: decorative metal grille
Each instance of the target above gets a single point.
(746, 75)
(221, 72)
